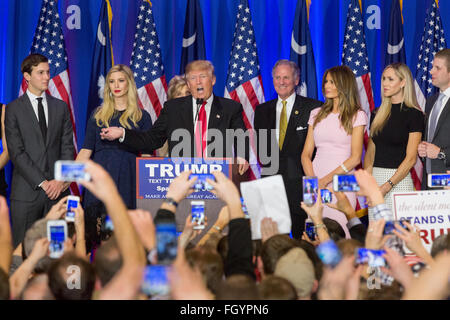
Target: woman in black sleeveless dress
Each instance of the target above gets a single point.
(4, 156)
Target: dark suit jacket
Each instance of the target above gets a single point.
(34, 158)
(290, 166)
(177, 114)
(441, 138)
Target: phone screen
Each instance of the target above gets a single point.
(108, 224)
(57, 238)
(200, 183)
(346, 183)
(310, 187)
(244, 209)
(198, 214)
(329, 253)
(70, 171)
(310, 231)
(71, 203)
(374, 258)
(326, 195)
(439, 180)
(390, 226)
(156, 282)
(166, 239)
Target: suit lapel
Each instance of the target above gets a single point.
(187, 114)
(51, 118)
(216, 114)
(445, 112)
(29, 112)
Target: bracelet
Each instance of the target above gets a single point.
(217, 228)
(344, 168)
(321, 225)
(391, 183)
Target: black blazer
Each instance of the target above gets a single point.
(177, 114)
(34, 158)
(441, 137)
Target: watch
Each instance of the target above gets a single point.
(171, 201)
(441, 155)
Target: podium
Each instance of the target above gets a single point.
(153, 177)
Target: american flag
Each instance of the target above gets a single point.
(244, 82)
(146, 62)
(354, 55)
(49, 41)
(433, 40)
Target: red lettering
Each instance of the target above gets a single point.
(424, 235)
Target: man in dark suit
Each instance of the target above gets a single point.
(435, 149)
(181, 119)
(38, 133)
(286, 119)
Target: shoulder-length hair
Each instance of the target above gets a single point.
(106, 111)
(409, 97)
(349, 105)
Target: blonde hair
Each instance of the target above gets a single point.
(176, 85)
(409, 97)
(197, 65)
(106, 111)
(349, 105)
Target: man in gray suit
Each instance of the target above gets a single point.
(436, 148)
(38, 133)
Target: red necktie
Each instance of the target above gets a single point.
(200, 132)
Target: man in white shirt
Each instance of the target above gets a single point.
(38, 133)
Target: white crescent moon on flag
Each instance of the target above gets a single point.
(296, 47)
(100, 36)
(395, 49)
(189, 41)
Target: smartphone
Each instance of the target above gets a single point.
(310, 187)
(439, 180)
(108, 224)
(309, 229)
(198, 214)
(166, 241)
(72, 202)
(200, 183)
(345, 183)
(244, 209)
(326, 195)
(71, 171)
(374, 258)
(389, 226)
(56, 234)
(155, 282)
(329, 253)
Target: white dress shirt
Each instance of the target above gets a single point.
(34, 104)
(289, 105)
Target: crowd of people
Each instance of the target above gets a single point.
(140, 260)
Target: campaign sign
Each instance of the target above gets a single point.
(430, 210)
(154, 175)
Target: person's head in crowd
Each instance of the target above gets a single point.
(36, 71)
(37, 288)
(348, 246)
(339, 88)
(439, 245)
(440, 72)
(310, 250)
(120, 94)
(177, 88)
(71, 269)
(108, 261)
(222, 247)
(276, 288)
(392, 292)
(4, 285)
(200, 78)
(272, 249)
(286, 76)
(297, 268)
(397, 86)
(237, 287)
(210, 265)
(335, 230)
(37, 231)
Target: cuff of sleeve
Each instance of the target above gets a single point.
(382, 210)
(123, 136)
(353, 222)
(40, 184)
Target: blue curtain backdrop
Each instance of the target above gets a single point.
(272, 21)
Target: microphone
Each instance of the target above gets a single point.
(199, 104)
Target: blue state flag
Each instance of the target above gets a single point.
(302, 52)
(193, 38)
(395, 47)
(102, 60)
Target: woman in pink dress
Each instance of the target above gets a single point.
(337, 131)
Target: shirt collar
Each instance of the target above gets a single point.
(446, 92)
(208, 101)
(290, 100)
(33, 97)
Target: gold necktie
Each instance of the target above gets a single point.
(283, 124)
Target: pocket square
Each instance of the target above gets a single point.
(301, 128)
